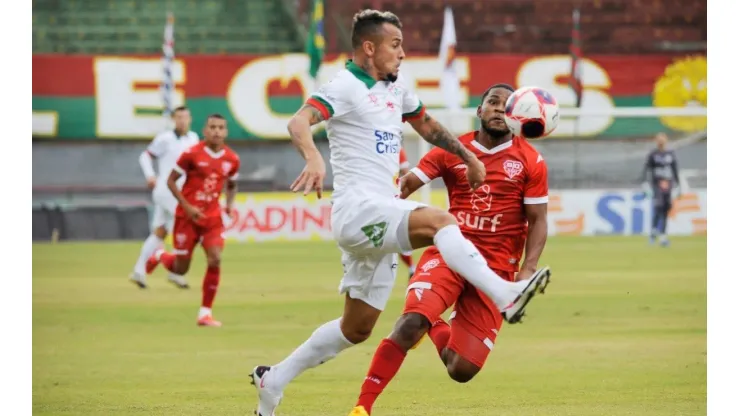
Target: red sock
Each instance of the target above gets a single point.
(210, 286)
(385, 364)
(167, 260)
(407, 260)
(440, 335)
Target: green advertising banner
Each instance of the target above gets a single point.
(118, 97)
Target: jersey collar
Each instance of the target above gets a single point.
(360, 74)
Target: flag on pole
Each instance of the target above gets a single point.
(576, 55)
(449, 81)
(168, 57)
(315, 42)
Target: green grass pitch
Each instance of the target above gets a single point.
(621, 331)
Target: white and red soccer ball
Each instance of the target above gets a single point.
(532, 113)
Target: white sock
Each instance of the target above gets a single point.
(323, 345)
(204, 312)
(151, 244)
(462, 256)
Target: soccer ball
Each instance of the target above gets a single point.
(532, 113)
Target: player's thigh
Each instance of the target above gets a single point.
(185, 236)
(475, 324)
(433, 288)
(212, 240)
(365, 225)
(369, 278)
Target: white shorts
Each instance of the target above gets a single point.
(370, 231)
(164, 211)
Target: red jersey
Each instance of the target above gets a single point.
(206, 172)
(492, 217)
(403, 160)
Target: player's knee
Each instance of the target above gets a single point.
(409, 329)
(181, 266)
(426, 222)
(461, 371)
(357, 333)
(214, 260)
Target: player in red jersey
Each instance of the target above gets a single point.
(507, 213)
(207, 166)
(407, 257)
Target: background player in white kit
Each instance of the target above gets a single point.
(365, 106)
(166, 148)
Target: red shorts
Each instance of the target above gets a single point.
(474, 322)
(186, 234)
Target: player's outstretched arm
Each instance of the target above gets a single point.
(434, 133)
(147, 167)
(536, 237)
(299, 128)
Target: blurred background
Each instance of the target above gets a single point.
(621, 70)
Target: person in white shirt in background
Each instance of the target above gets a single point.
(166, 148)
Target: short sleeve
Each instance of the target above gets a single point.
(403, 160)
(536, 190)
(431, 166)
(158, 146)
(184, 162)
(333, 99)
(234, 172)
(412, 106)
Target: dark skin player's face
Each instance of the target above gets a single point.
(386, 50)
(491, 112)
(215, 131)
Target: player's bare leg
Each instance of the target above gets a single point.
(151, 244)
(354, 327)
(210, 286)
(432, 226)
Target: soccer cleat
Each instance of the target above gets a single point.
(138, 280)
(208, 321)
(537, 284)
(178, 281)
(269, 398)
(359, 411)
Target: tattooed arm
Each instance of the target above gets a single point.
(437, 135)
(299, 128)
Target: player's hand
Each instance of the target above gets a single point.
(193, 212)
(312, 177)
(476, 173)
(229, 211)
(151, 182)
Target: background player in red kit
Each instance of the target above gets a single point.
(207, 166)
(508, 212)
(403, 169)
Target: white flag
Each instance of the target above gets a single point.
(449, 81)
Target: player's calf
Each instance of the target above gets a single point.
(409, 330)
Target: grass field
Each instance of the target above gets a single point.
(621, 331)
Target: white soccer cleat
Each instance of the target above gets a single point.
(269, 398)
(138, 280)
(537, 284)
(178, 281)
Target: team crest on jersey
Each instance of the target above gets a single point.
(430, 265)
(181, 238)
(226, 166)
(513, 168)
